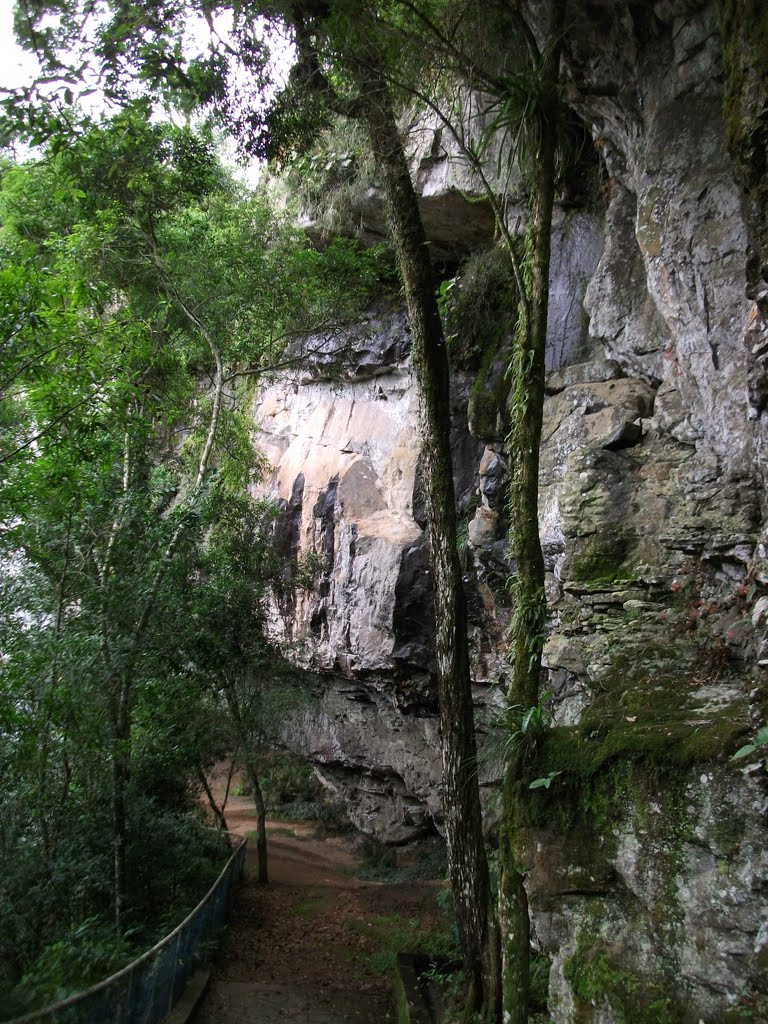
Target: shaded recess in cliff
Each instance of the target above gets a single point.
(413, 621)
(287, 541)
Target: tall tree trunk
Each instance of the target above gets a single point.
(121, 736)
(261, 821)
(523, 447)
(245, 744)
(468, 866)
(218, 812)
(122, 677)
(513, 906)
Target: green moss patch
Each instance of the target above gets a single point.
(487, 410)
(586, 749)
(597, 980)
(647, 718)
(601, 560)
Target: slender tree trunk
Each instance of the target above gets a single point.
(121, 736)
(468, 866)
(46, 797)
(261, 821)
(513, 907)
(467, 861)
(217, 811)
(122, 676)
(251, 770)
(523, 447)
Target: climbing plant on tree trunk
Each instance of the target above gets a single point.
(527, 639)
(468, 865)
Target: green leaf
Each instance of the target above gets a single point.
(544, 782)
(745, 751)
(526, 719)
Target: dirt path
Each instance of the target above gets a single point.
(305, 948)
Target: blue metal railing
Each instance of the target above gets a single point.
(146, 990)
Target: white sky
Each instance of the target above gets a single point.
(16, 66)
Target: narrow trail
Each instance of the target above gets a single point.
(298, 950)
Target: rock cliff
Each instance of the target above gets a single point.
(648, 853)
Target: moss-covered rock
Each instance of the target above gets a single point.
(600, 560)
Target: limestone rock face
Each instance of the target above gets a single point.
(456, 217)
(577, 246)
(342, 444)
(667, 911)
(343, 463)
(652, 491)
(647, 870)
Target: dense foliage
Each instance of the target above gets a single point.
(141, 290)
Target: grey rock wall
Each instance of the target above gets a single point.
(669, 298)
(651, 899)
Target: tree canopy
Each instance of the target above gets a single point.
(141, 292)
